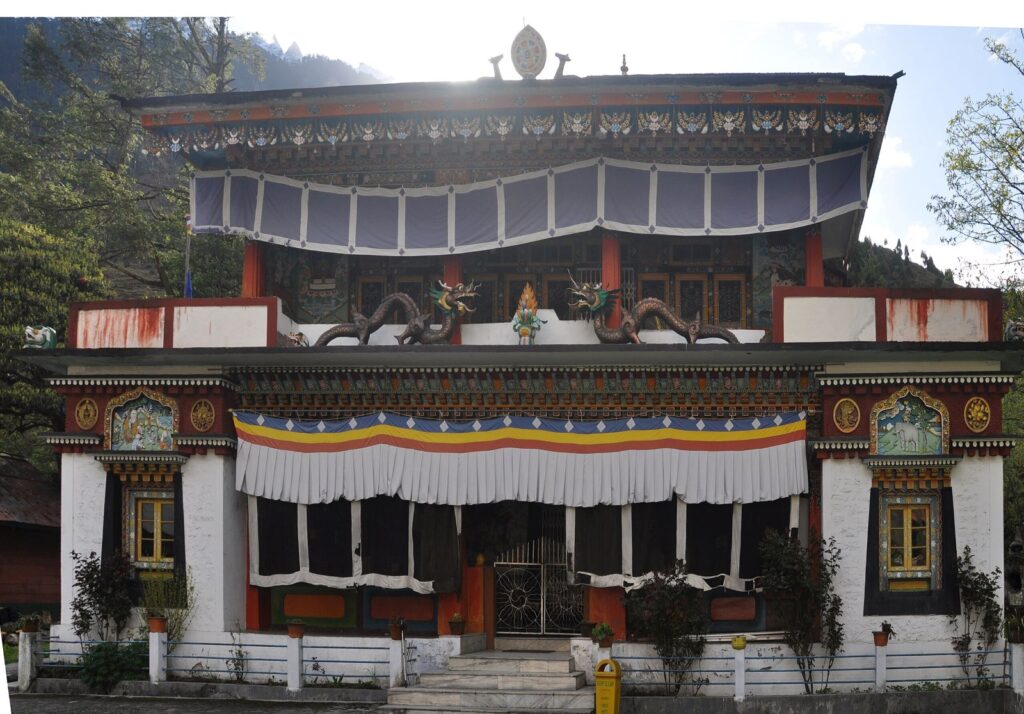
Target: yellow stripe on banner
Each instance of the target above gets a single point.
(623, 437)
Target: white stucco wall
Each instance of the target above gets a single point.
(834, 319)
(220, 326)
(83, 482)
(215, 542)
(846, 488)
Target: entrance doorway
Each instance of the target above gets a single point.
(533, 590)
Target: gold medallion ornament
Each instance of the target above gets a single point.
(977, 414)
(202, 415)
(86, 414)
(846, 415)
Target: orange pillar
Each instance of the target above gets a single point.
(814, 270)
(453, 276)
(252, 270)
(611, 272)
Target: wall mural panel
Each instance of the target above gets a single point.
(778, 260)
(141, 420)
(910, 423)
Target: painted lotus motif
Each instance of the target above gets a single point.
(142, 424)
(909, 427)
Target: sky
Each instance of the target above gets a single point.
(940, 49)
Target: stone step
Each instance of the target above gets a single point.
(506, 700)
(427, 709)
(531, 644)
(469, 679)
(509, 662)
(424, 709)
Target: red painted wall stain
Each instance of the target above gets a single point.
(118, 327)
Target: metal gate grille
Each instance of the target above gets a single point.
(532, 588)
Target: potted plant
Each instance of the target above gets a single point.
(29, 623)
(296, 629)
(396, 625)
(457, 625)
(883, 635)
(602, 634)
(156, 619)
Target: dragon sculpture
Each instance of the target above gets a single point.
(452, 302)
(40, 337)
(599, 302)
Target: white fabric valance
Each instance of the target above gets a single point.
(584, 464)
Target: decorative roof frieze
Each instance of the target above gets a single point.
(73, 439)
(884, 379)
(143, 382)
(206, 441)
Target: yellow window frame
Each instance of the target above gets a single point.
(159, 506)
(906, 531)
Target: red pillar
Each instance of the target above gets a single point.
(814, 270)
(611, 272)
(452, 275)
(252, 270)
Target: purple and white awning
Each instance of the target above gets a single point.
(637, 197)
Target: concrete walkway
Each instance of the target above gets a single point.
(82, 704)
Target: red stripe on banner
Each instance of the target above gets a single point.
(417, 445)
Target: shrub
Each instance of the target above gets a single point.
(672, 613)
(980, 617)
(173, 598)
(803, 579)
(107, 663)
(103, 595)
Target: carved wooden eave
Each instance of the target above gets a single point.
(998, 445)
(73, 442)
(829, 381)
(143, 466)
(220, 444)
(840, 448)
(118, 384)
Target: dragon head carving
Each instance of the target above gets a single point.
(591, 296)
(453, 300)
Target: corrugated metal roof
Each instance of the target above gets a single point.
(27, 496)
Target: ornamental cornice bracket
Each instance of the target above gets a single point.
(143, 466)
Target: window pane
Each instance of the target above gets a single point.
(919, 518)
(919, 537)
(919, 557)
(896, 538)
(147, 530)
(896, 518)
(147, 511)
(896, 558)
(146, 548)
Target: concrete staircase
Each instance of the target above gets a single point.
(520, 675)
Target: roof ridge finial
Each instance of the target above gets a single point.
(624, 69)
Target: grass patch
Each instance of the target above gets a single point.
(10, 653)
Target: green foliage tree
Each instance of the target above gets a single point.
(41, 273)
(802, 582)
(672, 613)
(984, 166)
(103, 595)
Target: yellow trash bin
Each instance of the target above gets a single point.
(608, 687)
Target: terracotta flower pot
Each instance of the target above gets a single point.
(296, 630)
(157, 623)
(605, 641)
(881, 638)
(457, 627)
(30, 627)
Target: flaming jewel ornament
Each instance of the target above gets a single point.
(526, 323)
(452, 302)
(599, 302)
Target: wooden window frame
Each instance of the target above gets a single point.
(367, 280)
(681, 278)
(705, 241)
(731, 277)
(907, 509)
(158, 557)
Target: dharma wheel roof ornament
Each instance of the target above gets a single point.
(529, 53)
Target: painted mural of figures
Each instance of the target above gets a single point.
(909, 427)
